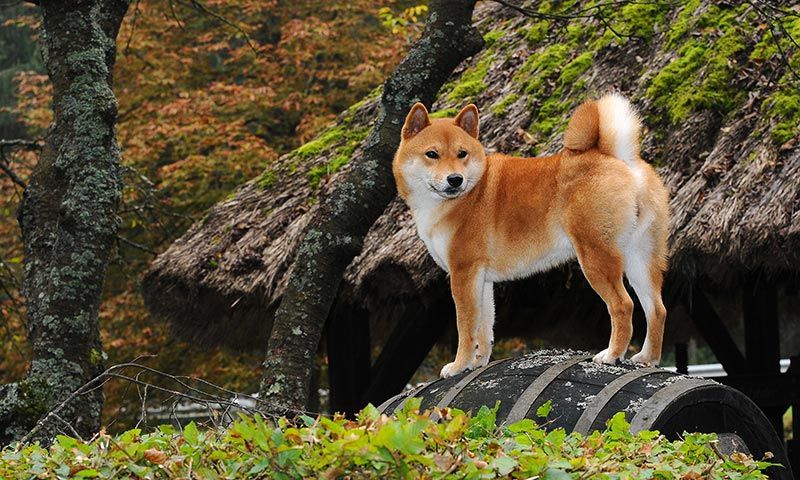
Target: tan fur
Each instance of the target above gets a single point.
(513, 217)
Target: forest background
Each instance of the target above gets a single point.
(205, 104)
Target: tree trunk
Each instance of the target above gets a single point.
(69, 222)
(336, 234)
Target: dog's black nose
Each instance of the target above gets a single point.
(455, 180)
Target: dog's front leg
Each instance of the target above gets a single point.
(485, 340)
(467, 287)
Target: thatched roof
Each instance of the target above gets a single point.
(735, 190)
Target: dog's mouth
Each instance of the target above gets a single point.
(448, 192)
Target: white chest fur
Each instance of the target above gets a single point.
(432, 233)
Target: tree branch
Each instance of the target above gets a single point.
(776, 25)
(5, 165)
(5, 168)
(198, 6)
(594, 12)
(135, 245)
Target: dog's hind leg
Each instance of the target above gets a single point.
(603, 266)
(644, 266)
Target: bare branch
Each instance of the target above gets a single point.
(136, 12)
(135, 245)
(210, 400)
(198, 6)
(596, 12)
(5, 168)
(22, 143)
(778, 30)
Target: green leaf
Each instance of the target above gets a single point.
(618, 424)
(190, 434)
(138, 470)
(544, 409)
(288, 457)
(556, 474)
(504, 465)
(524, 425)
(66, 442)
(166, 429)
(259, 467)
(483, 423)
(368, 413)
(307, 421)
(88, 473)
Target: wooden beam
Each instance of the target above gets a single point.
(776, 390)
(715, 333)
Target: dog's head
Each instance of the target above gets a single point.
(439, 158)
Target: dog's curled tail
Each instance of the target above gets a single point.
(611, 124)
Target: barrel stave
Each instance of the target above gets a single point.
(631, 397)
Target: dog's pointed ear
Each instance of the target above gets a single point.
(416, 120)
(467, 119)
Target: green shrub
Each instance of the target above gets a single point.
(375, 446)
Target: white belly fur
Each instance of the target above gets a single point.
(560, 252)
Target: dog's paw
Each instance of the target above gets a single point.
(606, 357)
(646, 359)
(481, 360)
(452, 369)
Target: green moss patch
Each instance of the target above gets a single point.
(320, 144)
(683, 23)
(643, 19)
(501, 108)
(491, 37)
(783, 106)
(537, 32)
(701, 75)
(542, 65)
(445, 113)
(348, 139)
(267, 179)
(471, 83)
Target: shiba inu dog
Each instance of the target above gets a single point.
(487, 219)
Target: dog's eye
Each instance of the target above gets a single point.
(431, 154)
(462, 154)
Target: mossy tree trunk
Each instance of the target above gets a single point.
(69, 221)
(336, 234)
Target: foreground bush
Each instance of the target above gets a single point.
(375, 446)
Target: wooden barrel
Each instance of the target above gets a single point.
(585, 395)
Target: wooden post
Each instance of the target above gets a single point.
(762, 336)
(349, 358)
(681, 358)
(793, 446)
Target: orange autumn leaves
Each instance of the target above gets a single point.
(208, 98)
